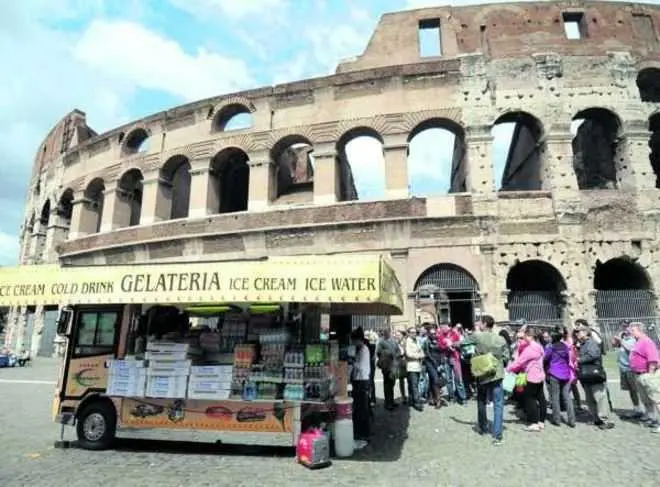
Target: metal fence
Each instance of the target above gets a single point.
(610, 327)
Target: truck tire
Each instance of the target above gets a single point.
(96, 426)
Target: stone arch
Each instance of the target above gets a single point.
(137, 141)
(436, 155)
(597, 150)
(129, 203)
(65, 206)
(535, 291)
(175, 185)
(624, 289)
(518, 151)
(94, 196)
(648, 84)
(235, 115)
(361, 163)
(294, 167)
(450, 292)
(231, 173)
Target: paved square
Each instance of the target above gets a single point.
(433, 448)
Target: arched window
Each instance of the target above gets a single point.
(361, 164)
(294, 169)
(623, 290)
(136, 142)
(130, 190)
(596, 148)
(232, 174)
(436, 158)
(518, 152)
(176, 173)
(232, 117)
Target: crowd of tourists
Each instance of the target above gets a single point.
(437, 365)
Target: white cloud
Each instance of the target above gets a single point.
(235, 9)
(130, 53)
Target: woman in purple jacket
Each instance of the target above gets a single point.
(557, 365)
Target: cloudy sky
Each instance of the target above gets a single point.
(119, 60)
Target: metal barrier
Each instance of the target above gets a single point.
(610, 327)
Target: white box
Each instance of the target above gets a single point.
(126, 364)
(167, 346)
(208, 385)
(211, 371)
(155, 355)
(212, 395)
(165, 372)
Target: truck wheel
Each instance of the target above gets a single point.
(96, 426)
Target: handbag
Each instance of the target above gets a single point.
(521, 381)
(509, 382)
(593, 373)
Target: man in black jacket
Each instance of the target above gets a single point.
(592, 377)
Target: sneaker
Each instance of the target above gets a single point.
(498, 442)
(605, 425)
(656, 430)
(533, 428)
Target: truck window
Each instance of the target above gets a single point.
(96, 332)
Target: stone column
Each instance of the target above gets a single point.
(327, 175)
(262, 182)
(478, 152)
(635, 171)
(37, 243)
(204, 189)
(21, 328)
(558, 174)
(83, 218)
(395, 149)
(37, 331)
(116, 210)
(156, 199)
(400, 266)
(57, 232)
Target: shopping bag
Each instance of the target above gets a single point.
(509, 382)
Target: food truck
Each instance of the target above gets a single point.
(232, 352)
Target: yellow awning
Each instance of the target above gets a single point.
(352, 284)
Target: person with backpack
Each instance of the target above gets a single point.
(487, 366)
(432, 363)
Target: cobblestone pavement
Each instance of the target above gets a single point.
(432, 448)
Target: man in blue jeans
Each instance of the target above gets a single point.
(490, 385)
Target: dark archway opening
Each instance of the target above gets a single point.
(95, 196)
(535, 292)
(648, 83)
(654, 144)
(65, 206)
(623, 290)
(294, 169)
(176, 173)
(233, 173)
(450, 291)
(137, 142)
(520, 164)
(596, 148)
(130, 185)
(44, 218)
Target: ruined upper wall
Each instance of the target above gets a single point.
(513, 30)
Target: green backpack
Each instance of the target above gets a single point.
(484, 365)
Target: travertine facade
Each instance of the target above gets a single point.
(573, 210)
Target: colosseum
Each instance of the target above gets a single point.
(568, 228)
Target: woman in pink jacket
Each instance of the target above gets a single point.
(530, 361)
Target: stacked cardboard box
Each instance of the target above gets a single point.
(210, 382)
(127, 378)
(168, 370)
